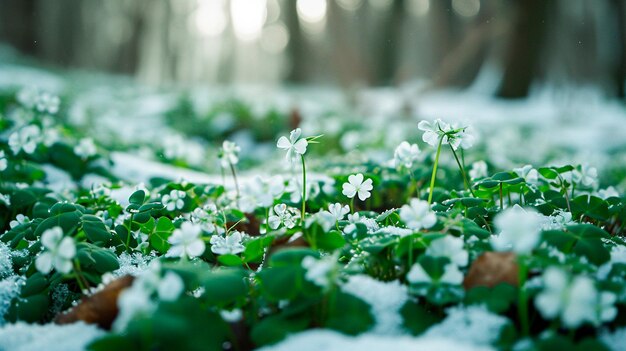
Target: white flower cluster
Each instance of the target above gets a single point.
(137, 300)
(417, 215)
(230, 244)
(448, 134)
(356, 185)
(520, 230)
(58, 252)
(283, 215)
(186, 241)
(575, 300)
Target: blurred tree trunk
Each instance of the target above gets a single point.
(390, 44)
(295, 47)
(524, 48)
(16, 17)
(619, 75)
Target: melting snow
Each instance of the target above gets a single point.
(469, 325)
(50, 337)
(385, 299)
(327, 340)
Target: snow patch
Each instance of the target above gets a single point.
(328, 340)
(51, 337)
(385, 298)
(473, 325)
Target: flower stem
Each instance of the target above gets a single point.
(522, 303)
(501, 200)
(463, 174)
(434, 176)
(82, 282)
(232, 170)
(352, 205)
(303, 190)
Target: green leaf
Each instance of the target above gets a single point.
(273, 329)
(95, 259)
(230, 260)
(255, 248)
(329, 241)
(581, 239)
(33, 308)
(348, 314)
(35, 284)
(113, 342)
(417, 319)
(158, 239)
(95, 229)
(224, 286)
(137, 198)
(281, 283)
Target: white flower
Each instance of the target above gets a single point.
(48, 103)
(206, 217)
(294, 145)
(418, 215)
(50, 136)
(602, 193)
(588, 176)
(28, 96)
(451, 275)
(450, 247)
(3, 161)
(6, 199)
(228, 245)
(85, 148)
(320, 272)
(405, 154)
(557, 221)
(451, 134)
(479, 170)
(324, 218)
(25, 139)
(294, 188)
(229, 154)
(528, 173)
(353, 219)
(232, 316)
(174, 200)
(520, 230)
(575, 300)
(338, 211)
(356, 185)
(170, 287)
(137, 299)
(58, 252)
(261, 192)
(19, 220)
(186, 241)
(281, 214)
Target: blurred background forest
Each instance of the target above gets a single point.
(504, 46)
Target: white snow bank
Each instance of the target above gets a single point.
(327, 340)
(385, 298)
(469, 325)
(49, 337)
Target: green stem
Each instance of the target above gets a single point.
(82, 282)
(432, 178)
(232, 170)
(501, 200)
(463, 174)
(352, 204)
(522, 303)
(130, 231)
(303, 190)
